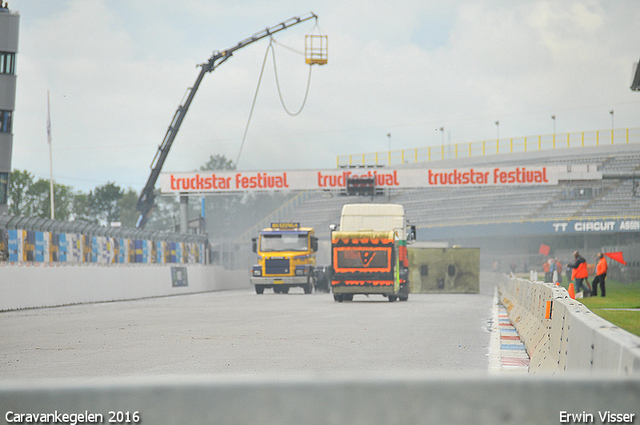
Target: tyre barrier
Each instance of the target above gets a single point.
(562, 335)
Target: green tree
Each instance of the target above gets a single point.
(104, 201)
(128, 213)
(19, 183)
(33, 198)
(218, 162)
(83, 208)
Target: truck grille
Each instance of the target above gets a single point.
(276, 266)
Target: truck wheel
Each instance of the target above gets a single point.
(404, 297)
(259, 289)
(284, 290)
(392, 298)
(337, 297)
(277, 290)
(347, 297)
(308, 288)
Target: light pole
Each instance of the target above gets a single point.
(498, 130)
(612, 126)
(389, 136)
(553, 117)
(441, 129)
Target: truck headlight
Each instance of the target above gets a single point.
(301, 271)
(257, 271)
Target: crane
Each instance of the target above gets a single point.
(146, 200)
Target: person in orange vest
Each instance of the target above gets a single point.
(579, 273)
(601, 275)
(545, 268)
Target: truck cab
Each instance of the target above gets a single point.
(286, 258)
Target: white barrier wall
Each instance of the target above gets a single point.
(48, 286)
(383, 399)
(571, 338)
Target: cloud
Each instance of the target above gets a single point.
(117, 71)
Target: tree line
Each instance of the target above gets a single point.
(105, 204)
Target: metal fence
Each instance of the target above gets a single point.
(493, 147)
(40, 240)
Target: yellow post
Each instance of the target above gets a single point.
(416, 155)
(539, 143)
(525, 143)
(402, 157)
(376, 158)
(597, 138)
(429, 154)
(511, 145)
(612, 136)
(568, 139)
(469, 149)
(627, 135)
(483, 146)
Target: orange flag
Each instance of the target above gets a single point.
(616, 256)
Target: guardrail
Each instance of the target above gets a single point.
(493, 147)
(562, 335)
(320, 400)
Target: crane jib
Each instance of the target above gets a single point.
(146, 199)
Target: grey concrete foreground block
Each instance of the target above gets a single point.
(329, 400)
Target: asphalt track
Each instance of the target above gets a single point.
(239, 332)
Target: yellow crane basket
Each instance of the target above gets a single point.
(316, 49)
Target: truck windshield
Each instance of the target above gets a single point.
(284, 242)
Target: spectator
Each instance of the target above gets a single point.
(568, 272)
(580, 273)
(546, 269)
(601, 275)
(559, 269)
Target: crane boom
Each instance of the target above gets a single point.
(146, 200)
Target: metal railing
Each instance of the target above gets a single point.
(493, 147)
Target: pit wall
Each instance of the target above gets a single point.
(562, 335)
(32, 286)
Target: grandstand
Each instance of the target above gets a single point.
(506, 222)
(436, 207)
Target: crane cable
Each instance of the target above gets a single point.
(255, 96)
(306, 93)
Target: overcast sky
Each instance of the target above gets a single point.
(118, 69)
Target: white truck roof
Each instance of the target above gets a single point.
(373, 209)
(375, 217)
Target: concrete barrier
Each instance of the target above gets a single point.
(49, 286)
(572, 339)
(326, 400)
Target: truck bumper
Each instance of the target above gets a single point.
(280, 280)
(357, 289)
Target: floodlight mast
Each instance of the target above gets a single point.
(146, 200)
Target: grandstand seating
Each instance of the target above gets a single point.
(428, 207)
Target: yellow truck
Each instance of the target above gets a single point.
(286, 258)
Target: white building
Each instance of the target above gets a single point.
(9, 26)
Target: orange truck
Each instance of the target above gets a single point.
(369, 252)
